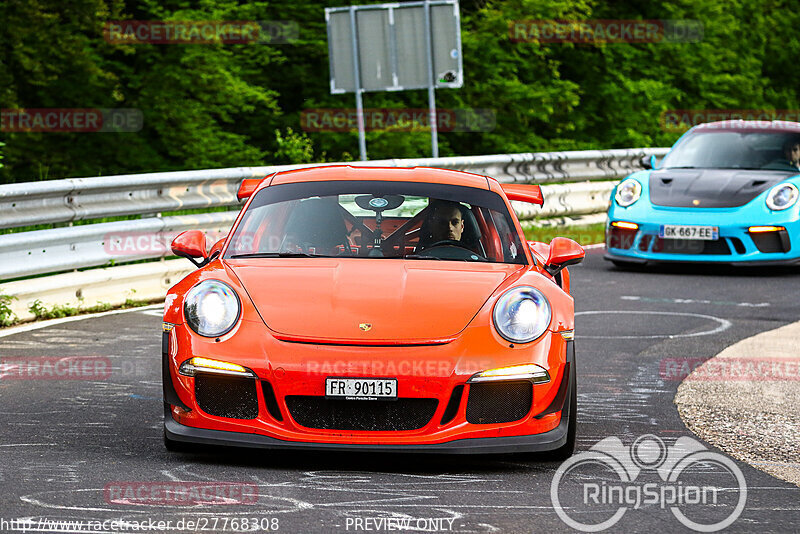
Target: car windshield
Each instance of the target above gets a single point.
(377, 219)
(776, 151)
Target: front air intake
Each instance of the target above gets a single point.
(499, 402)
(226, 396)
(335, 414)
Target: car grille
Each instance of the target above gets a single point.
(499, 402)
(226, 396)
(620, 238)
(336, 414)
(690, 246)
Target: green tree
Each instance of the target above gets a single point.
(217, 105)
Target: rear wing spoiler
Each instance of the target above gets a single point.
(248, 187)
(524, 193)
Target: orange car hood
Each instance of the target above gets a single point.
(368, 300)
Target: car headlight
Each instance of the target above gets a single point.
(522, 314)
(782, 196)
(211, 308)
(628, 192)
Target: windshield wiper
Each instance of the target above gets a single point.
(278, 255)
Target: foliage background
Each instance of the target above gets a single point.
(220, 105)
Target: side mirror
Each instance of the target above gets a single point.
(540, 250)
(216, 249)
(190, 245)
(563, 252)
(648, 162)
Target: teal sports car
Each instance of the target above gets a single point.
(727, 192)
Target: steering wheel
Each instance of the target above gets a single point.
(474, 256)
(448, 243)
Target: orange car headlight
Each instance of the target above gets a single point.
(197, 364)
(522, 314)
(212, 308)
(528, 371)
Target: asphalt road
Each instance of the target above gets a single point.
(66, 445)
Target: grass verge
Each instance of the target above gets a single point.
(584, 235)
(57, 311)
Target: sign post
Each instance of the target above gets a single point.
(395, 47)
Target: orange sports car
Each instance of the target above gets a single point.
(387, 309)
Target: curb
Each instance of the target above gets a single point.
(744, 401)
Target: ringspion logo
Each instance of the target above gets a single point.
(704, 490)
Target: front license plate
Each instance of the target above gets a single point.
(361, 388)
(677, 231)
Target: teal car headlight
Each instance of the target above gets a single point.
(782, 196)
(211, 308)
(521, 314)
(628, 192)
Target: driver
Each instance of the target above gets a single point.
(446, 221)
(791, 153)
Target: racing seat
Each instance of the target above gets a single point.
(317, 226)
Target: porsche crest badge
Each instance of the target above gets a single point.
(365, 327)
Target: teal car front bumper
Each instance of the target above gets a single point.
(739, 240)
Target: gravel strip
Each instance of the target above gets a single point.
(746, 401)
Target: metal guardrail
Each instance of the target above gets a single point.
(74, 247)
(77, 199)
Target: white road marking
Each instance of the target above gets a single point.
(51, 322)
(157, 312)
(28, 444)
(696, 301)
(723, 324)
